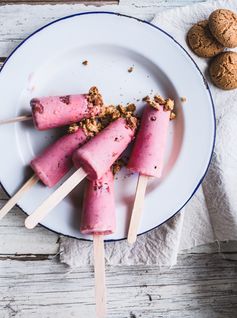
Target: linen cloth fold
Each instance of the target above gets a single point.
(211, 215)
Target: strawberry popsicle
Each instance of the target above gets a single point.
(98, 214)
(98, 219)
(51, 166)
(147, 156)
(97, 156)
(56, 111)
(56, 160)
(148, 152)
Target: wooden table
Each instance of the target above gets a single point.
(34, 284)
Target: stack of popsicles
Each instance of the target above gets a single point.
(93, 155)
(54, 163)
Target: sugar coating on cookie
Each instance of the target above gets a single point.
(202, 42)
(223, 25)
(223, 70)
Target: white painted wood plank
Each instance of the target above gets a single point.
(16, 239)
(33, 2)
(199, 286)
(156, 3)
(18, 21)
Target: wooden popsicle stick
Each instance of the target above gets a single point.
(137, 208)
(17, 196)
(55, 198)
(15, 120)
(99, 266)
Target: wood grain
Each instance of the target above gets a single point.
(88, 2)
(19, 21)
(16, 239)
(48, 289)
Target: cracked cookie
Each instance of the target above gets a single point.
(202, 42)
(223, 25)
(223, 70)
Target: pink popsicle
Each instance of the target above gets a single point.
(147, 156)
(56, 111)
(98, 219)
(56, 160)
(98, 215)
(50, 166)
(97, 156)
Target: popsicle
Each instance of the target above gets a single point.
(56, 160)
(98, 219)
(147, 156)
(98, 215)
(55, 111)
(50, 166)
(93, 161)
(98, 155)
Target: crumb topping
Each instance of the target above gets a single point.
(131, 108)
(172, 115)
(157, 101)
(132, 122)
(94, 97)
(73, 128)
(111, 113)
(91, 126)
(118, 164)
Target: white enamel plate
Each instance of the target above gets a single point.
(49, 62)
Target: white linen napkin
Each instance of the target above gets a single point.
(211, 215)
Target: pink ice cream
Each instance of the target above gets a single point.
(98, 215)
(97, 156)
(56, 111)
(56, 160)
(147, 156)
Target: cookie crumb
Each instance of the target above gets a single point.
(132, 122)
(117, 166)
(130, 70)
(94, 97)
(146, 98)
(183, 99)
(85, 62)
(172, 116)
(131, 107)
(157, 102)
(169, 104)
(73, 128)
(159, 99)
